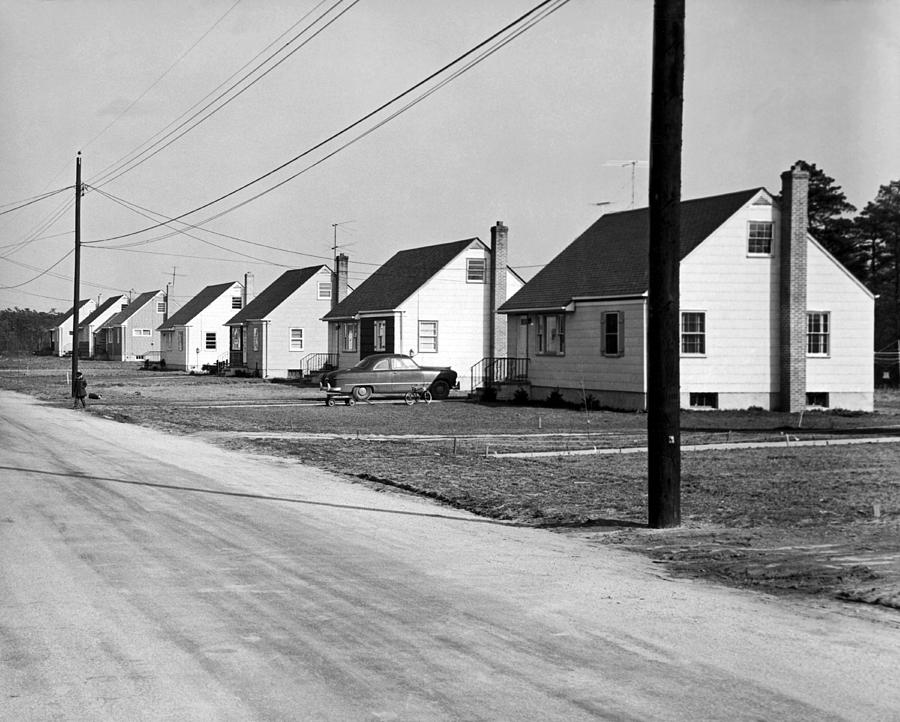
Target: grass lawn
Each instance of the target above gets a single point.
(822, 520)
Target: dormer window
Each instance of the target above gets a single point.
(759, 238)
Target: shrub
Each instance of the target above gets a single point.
(520, 396)
(488, 394)
(555, 399)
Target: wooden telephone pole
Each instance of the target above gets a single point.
(663, 352)
(77, 300)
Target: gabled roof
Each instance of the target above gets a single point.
(611, 257)
(196, 305)
(99, 311)
(132, 308)
(68, 314)
(401, 276)
(274, 294)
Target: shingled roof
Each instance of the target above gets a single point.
(97, 312)
(401, 276)
(274, 294)
(71, 312)
(195, 306)
(132, 308)
(610, 258)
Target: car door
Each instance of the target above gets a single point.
(406, 374)
(382, 376)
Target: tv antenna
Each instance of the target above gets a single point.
(634, 164)
(334, 245)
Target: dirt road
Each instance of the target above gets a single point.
(144, 576)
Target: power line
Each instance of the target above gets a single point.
(42, 273)
(540, 7)
(108, 177)
(33, 199)
(159, 79)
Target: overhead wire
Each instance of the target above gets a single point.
(125, 166)
(165, 73)
(34, 199)
(42, 273)
(555, 5)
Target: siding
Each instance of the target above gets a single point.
(302, 309)
(740, 297)
(210, 320)
(846, 374)
(461, 310)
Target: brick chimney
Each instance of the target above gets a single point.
(339, 279)
(249, 291)
(499, 236)
(794, 221)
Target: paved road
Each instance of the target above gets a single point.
(144, 576)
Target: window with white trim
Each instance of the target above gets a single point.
(693, 333)
(324, 291)
(428, 336)
(349, 334)
(380, 331)
(817, 332)
(296, 339)
(476, 270)
(141, 332)
(759, 238)
(237, 302)
(211, 341)
(551, 334)
(160, 306)
(612, 338)
(704, 400)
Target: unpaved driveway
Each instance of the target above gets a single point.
(144, 576)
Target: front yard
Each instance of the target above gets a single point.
(813, 520)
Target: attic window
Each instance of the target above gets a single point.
(235, 301)
(759, 238)
(160, 306)
(324, 291)
(475, 270)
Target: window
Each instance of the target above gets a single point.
(428, 336)
(236, 338)
(817, 333)
(817, 399)
(296, 339)
(256, 338)
(349, 335)
(704, 400)
(181, 340)
(759, 238)
(167, 340)
(693, 332)
(124, 306)
(211, 341)
(160, 306)
(141, 332)
(236, 302)
(475, 270)
(324, 291)
(551, 334)
(611, 340)
(380, 329)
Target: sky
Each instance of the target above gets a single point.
(545, 134)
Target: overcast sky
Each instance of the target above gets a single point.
(529, 136)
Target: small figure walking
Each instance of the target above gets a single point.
(80, 390)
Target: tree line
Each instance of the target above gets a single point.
(24, 331)
(867, 243)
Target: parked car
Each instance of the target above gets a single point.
(387, 373)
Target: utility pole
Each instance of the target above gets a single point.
(77, 274)
(663, 351)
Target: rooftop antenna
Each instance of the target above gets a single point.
(334, 245)
(634, 164)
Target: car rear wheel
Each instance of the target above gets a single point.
(440, 389)
(361, 393)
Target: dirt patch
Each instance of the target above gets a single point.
(820, 521)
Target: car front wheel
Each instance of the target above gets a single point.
(361, 393)
(440, 389)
